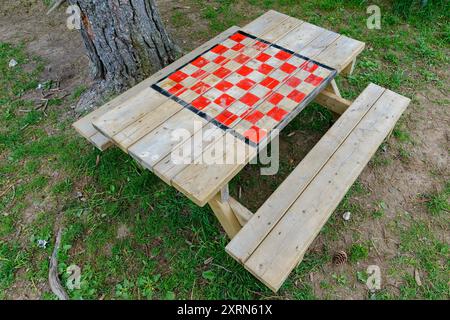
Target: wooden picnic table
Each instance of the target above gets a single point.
(238, 91)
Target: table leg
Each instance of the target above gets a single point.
(333, 87)
(348, 70)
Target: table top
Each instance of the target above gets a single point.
(240, 88)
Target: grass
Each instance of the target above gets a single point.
(175, 249)
(437, 203)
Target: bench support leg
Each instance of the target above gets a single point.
(231, 214)
(332, 102)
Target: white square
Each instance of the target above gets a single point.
(213, 110)
(230, 54)
(234, 78)
(260, 91)
(210, 67)
(266, 123)
(296, 61)
(274, 62)
(210, 55)
(279, 75)
(237, 108)
(189, 69)
(284, 90)
(254, 64)
(256, 76)
(236, 92)
(212, 80)
(212, 94)
(272, 51)
(229, 43)
(232, 65)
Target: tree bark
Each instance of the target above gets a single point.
(125, 41)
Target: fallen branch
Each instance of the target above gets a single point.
(55, 6)
(53, 279)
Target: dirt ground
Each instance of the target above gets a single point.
(399, 183)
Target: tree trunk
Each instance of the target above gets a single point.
(125, 40)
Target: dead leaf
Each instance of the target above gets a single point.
(417, 277)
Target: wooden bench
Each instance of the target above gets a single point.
(272, 243)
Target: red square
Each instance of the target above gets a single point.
(178, 76)
(238, 37)
(283, 55)
(314, 80)
(270, 82)
(310, 66)
(293, 82)
(254, 116)
(200, 87)
(260, 46)
(221, 60)
(200, 62)
(242, 58)
(246, 84)
(263, 57)
(177, 89)
(223, 85)
(224, 100)
(249, 99)
(237, 47)
(200, 103)
(226, 117)
(277, 114)
(219, 49)
(244, 71)
(297, 96)
(198, 74)
(255, 134)
(288, 68)
(222, 72)
(275, 98)
(265, 68)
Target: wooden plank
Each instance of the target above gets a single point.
(225, 215)
(341, 53)
(133, 125)
(100, 141)
(114, 121)
(84, 125)
(282, 249)
(265, 22)
(158, 143)
(333, 102)
(242, 213)
(300, 37)
(276, 205)
(199, 180)
(319, 44)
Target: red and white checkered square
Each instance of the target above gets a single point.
(245, 84)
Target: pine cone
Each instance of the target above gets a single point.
(339, 258)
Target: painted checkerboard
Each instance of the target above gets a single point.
(247, 85)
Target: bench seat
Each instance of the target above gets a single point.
(273, 242)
